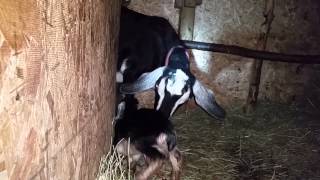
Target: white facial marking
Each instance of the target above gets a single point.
(161, 93)
(181, 100)
(161, 144)
(119, 77)
(175, 85)
(162, 139)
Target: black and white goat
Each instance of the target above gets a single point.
(151, 55)
(152, 138)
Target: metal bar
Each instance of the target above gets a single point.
(250, 53)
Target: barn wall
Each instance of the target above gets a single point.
(295, 30)
(56, 86)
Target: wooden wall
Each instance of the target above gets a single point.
(57, 71)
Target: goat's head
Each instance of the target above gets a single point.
(174, 84)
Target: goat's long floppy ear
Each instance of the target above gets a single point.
(144, 82)
(205, 98)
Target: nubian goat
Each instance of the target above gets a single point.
(149, 135)
(151, 55)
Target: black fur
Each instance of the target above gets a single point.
(145, 41)
(143, 126)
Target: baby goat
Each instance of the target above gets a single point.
(152, 139)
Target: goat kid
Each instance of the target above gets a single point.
(151, 55)
(149, 136)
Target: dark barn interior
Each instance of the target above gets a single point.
(58, 88)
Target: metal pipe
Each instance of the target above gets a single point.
(250, 53)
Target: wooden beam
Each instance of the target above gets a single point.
(187, 15)
(57, 86)
(186, 23)
(256, 67)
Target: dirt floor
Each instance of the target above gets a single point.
(274, 142)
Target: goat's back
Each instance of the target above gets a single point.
(145, 41)
(143, 123)
(143, 127)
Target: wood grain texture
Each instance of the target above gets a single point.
(57, 71)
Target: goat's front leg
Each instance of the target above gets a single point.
(175, 158)
(120, 111)
(152, 168)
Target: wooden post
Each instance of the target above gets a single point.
(256, 67)
(187, 15)
(57, 71)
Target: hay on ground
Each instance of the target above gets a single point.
(274, 142)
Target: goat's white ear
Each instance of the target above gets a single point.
(144, 82)
(205, 99)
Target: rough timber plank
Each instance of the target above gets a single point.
(56, 86)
